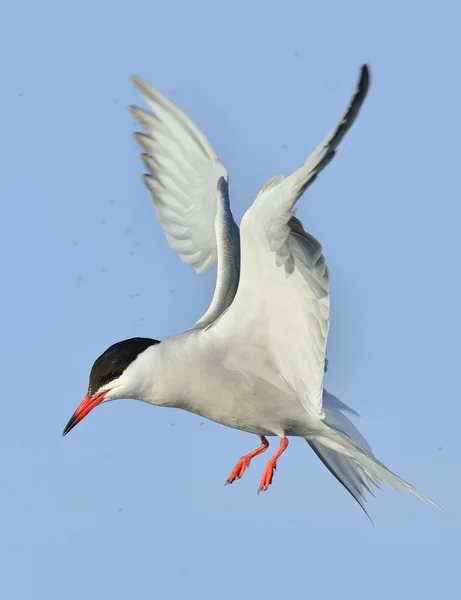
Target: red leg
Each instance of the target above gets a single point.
(271, 466)
(245, 461)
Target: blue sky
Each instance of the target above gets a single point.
(132, 503)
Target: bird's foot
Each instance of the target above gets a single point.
(245, 461)
(238, 470)
(271, 466)
(268, 476)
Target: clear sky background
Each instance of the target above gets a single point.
(132, 503)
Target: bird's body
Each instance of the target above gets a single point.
(256, 360)
(173, 374)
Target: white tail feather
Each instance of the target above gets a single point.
(348, 456)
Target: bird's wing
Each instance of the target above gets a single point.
(183, 172)
(282, 305)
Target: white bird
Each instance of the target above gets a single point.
(256, 360)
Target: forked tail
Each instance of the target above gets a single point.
(348, 456)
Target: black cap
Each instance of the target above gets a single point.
(113, 362)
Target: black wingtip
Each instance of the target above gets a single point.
(364, 81)
(223, 186)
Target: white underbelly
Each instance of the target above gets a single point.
(258, 408)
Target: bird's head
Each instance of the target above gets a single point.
(114, 375)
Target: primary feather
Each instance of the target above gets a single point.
(183, 172)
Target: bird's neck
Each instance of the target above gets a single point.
(166, 371)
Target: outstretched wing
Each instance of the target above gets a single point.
(282, 305)
(182, 178)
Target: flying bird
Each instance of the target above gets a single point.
(256, 359)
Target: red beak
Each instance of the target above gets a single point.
(85, 407)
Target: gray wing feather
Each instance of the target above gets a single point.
(182, 180)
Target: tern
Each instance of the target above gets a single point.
(256, 359)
